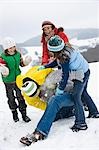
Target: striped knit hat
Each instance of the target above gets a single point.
(55, 44)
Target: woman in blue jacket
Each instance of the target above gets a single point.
(70, 61)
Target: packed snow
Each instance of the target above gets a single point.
(60, 136)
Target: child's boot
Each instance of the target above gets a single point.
(24, 116)
(15, 115)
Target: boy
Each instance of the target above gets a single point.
(10, 60)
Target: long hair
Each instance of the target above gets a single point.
(64, 55)
(60, 29)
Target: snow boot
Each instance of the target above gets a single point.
(32, 138)
(24, 116)
(93, 116)
(15, 115)
(76, 127)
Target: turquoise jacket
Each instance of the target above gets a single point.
(77, 62)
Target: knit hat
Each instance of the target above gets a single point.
(8, 42)
(46, 23)
(55, 44)
(29, 88)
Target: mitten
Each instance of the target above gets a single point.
(41, 68)
(59, 92)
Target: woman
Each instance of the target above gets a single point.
(50, 30)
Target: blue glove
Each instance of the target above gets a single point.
(41, 68)
(59, 92)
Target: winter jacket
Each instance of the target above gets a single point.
(12, 62)
(47, 80)
(76, 63)
(45, 55)
(39, 77)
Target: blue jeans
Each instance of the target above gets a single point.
(54, 106)
(65, 100)
(89, 102)
(65, 112)
(80, 93)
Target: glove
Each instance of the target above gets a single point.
(41, 68)
(59, 92)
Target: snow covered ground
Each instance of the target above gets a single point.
(60, 136)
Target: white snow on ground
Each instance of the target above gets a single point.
(60, 136)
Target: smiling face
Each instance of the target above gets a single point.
(47, 29)
(11, 50)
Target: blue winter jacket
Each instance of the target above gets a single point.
(76, 62)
